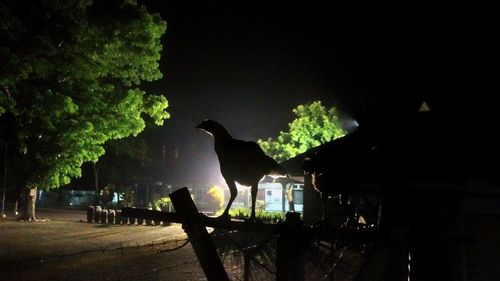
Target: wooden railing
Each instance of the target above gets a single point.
(290, 247)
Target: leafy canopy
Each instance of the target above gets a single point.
(216, 196)
(69, 74)
(314, 125)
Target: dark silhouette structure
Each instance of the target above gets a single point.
(427, 170)
(419, 148)
(240, 161)
(335, 167)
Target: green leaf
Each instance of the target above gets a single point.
(71, 80)
(314, 125)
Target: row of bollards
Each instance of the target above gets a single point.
(96, 214)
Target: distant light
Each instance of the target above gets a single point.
(350, 124)
(409, 265)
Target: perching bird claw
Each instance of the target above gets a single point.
(224, 217)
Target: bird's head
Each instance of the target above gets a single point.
(213, 128)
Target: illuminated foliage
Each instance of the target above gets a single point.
(314, 125)
(216, 195)
(128, 199)
(163, 203)
(263, 215)
(69, 74)
(107, 194)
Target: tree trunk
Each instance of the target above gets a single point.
(29, 202)
(4, 178)
(290, 198)
(32, 204)
(96, 184)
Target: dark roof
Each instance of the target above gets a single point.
(294, 164)
(423, 145)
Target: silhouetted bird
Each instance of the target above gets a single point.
(240, 161)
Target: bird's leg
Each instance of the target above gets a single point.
(253, 191)
(232, 195)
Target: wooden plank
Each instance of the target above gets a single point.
(198, 236)
(242, 225)
(256, 227)
(207, 221)
(151, 215)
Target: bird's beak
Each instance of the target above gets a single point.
(201, 127)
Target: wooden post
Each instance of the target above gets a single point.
(290, 250)
(246, 269)
(198, 235)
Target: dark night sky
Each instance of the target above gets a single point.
(243, 65)
(247, 64)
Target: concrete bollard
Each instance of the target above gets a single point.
(104, 216)
(125, 220)
(97, 214)
(111, 216)
(90, 214)
(118, 216)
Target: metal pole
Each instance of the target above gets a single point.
(4, 179)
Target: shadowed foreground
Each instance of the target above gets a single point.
(63, 248)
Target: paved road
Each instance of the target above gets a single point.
(64, 247)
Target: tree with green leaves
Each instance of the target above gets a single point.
(216, 197)
(70, 73)
(314, 125)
